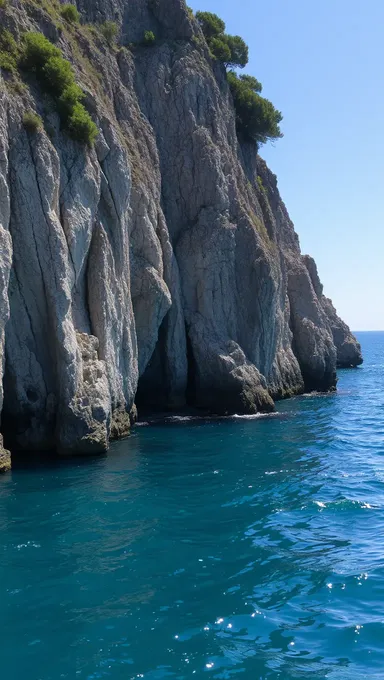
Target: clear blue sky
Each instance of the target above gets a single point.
(322, 65)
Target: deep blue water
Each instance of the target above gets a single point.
(241, 547)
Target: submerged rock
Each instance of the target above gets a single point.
(162, 262)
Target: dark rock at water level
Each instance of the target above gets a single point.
(159, 262)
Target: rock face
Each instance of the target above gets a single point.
(348, 350)
(160, 266)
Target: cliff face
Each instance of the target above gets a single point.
(161, 265)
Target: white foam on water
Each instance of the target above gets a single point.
(204, 418)
(253, 416)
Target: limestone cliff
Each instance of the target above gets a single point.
(159, 266)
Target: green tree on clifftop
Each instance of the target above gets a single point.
(230, 49)
(257, 119)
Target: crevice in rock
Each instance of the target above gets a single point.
(86, 297)
(153, 390)
(69, 246)
(191, 376)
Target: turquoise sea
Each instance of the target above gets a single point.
(250, 548)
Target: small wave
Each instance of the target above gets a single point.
(346, 504)
(234, 416)
(183, 419)
(317, 394)
(180, 419)
(253, 416)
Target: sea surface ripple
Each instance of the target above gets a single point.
(197, 548)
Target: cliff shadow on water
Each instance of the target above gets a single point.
(133, 208)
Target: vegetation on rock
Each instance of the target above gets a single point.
(7, 62)
(81, 126)
(71, 95)
(260, 184)
(210, 24)
(8, 42)
(149, 38)
(37, 50)
(57, 76)
(230, 49)
(70, 13)
(109, 30)
(220, 50)
(251, 82)
(256, 118)
(8, 51)
(32, 121)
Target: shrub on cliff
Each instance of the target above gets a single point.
(256, 117)
(7, 62)
(71, 95)
(109, 29)
(81, 126)
(8, 51)
(57, 76)
(70, 13)
(32, 121)
(149, 38)
(37, 50)
(8, 42)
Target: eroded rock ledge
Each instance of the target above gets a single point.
(162, 263)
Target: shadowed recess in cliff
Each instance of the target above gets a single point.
(191, 385)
